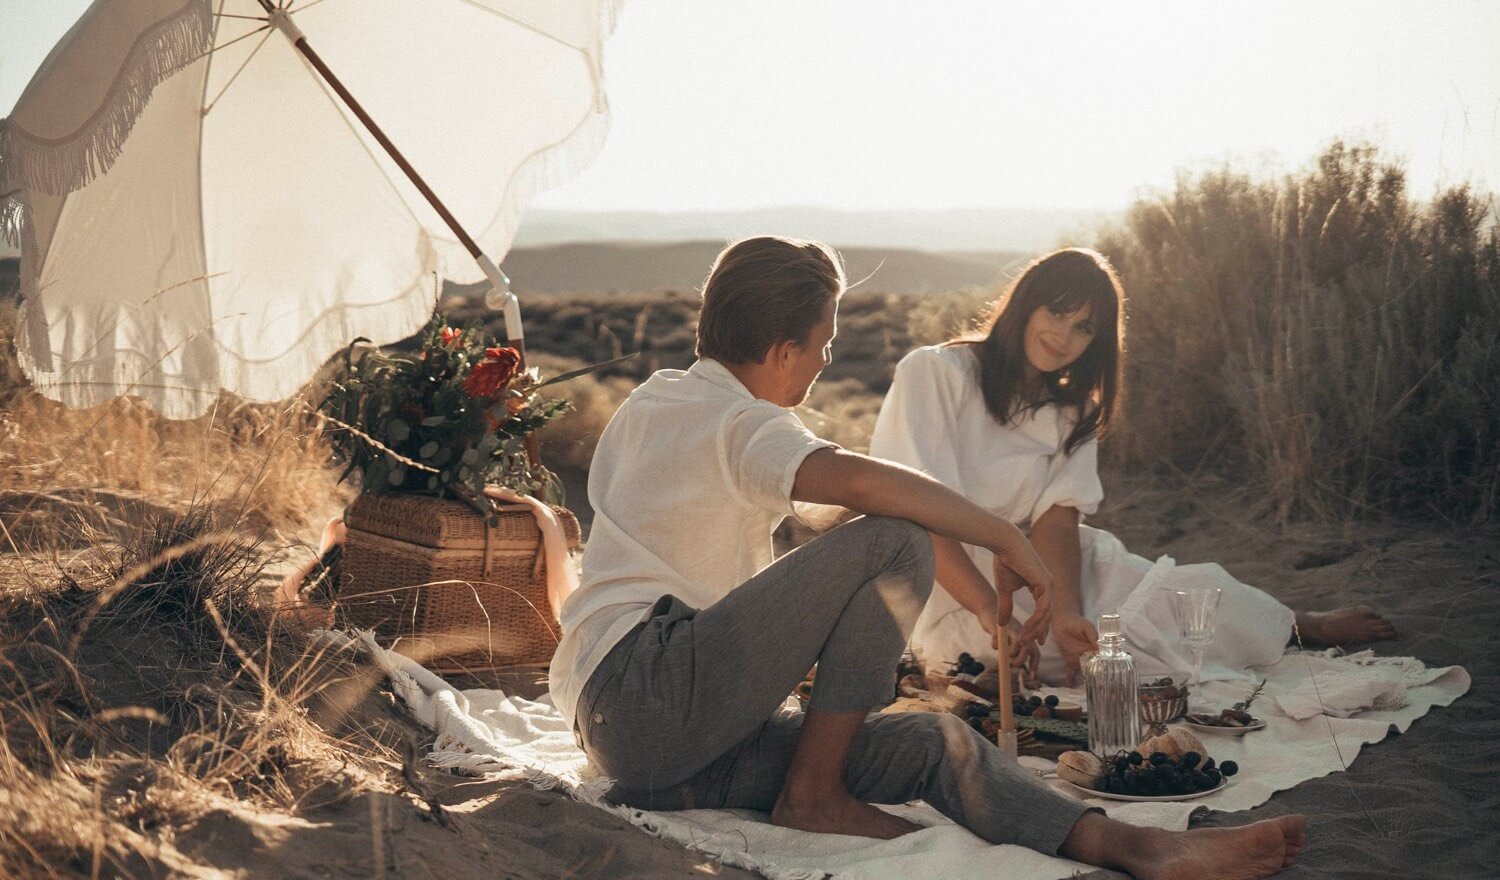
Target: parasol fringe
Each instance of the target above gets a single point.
(545, 169)
(12, 219)
(556, 163)
(58, 168)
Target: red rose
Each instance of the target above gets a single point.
(491, 376)
(452, 338)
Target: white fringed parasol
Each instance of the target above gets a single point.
(202, 203)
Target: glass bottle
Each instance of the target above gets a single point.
(1110, 690)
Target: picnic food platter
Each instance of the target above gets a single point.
(1113, 796)
(1223, 729)
(1233, 721)
(1174, 766)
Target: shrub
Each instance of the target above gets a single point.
(1324, 335)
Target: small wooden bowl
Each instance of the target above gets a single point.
(1067, 712)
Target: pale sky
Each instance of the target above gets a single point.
(871, 104)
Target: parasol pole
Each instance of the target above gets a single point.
(281, 19)
(1006, 739)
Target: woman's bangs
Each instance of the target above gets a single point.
(1075, 297)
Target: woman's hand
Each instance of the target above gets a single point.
(1076, 638)
(1007, 582)
(1025, 656)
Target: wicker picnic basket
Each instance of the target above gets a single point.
(454, 594)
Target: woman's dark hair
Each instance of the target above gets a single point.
(766, 290)
(1063, 281)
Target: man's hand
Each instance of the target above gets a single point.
(1076, 638)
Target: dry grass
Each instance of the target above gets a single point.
(148, 683)
(267, 464)
(569, 441)
(1324, 337)
(145, 680)
(271, 462)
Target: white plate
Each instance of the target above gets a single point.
(1089, 792)
(1224, 731)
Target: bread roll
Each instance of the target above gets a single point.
(1080, 768)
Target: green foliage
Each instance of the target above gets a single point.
(425, 421)
(1328, 337)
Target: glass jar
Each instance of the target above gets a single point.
(1109, 680)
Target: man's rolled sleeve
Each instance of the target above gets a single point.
(764, 446)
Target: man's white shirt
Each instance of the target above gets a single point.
(688, 482)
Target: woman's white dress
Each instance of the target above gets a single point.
(934, 419)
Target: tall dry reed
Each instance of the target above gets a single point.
(1324, 335)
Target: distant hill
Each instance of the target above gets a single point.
(601, 267)
(644, 267)
(1018, 229)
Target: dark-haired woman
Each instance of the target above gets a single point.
(1011, 417)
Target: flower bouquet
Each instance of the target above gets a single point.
(446, 420)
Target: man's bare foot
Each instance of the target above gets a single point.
(1350, 625)
(1245, 853)
(838, 813)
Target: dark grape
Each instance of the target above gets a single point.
(1214, 777)
(1136, 758)
(1229, 768)
(976, 668)
(965, 658)
(1191, 759)
(1201, 781)
(1208, 765)
(975, 710)
(1159, 758)
(1034, 700)
(1051, 701)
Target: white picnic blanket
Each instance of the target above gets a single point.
(489, 732)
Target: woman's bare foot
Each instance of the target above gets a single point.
(837, 813)
(1350, 625)
(1244, 853)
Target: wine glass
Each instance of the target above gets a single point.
(1197, 612)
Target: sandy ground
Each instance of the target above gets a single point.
(1423, 804)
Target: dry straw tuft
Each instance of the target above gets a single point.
(1323, 336)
